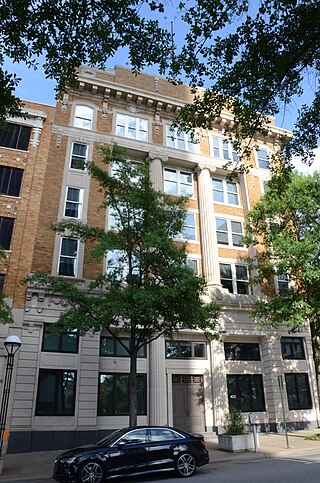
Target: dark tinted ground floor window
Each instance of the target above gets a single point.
(6, 230)
(15, 136)
(245, 392)
(114, 394)
(56, 393)
(242, 351)
(292, 348)
(2, 279)
(10, 180)
(111, 347)
(298, 391)
(66, 341)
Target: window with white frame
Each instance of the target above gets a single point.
(223, 149)
(283, 282)
(78, 156)
(117, 265)
(229, 232)
(180, 140)
(263, 158)
(225, 191)
(234, 278)
(69, 248)
(193, 263)
(178, 182)
(189, 227)
(132, 127)
(74, 201)
(83, 117)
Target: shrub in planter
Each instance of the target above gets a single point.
(235, 438)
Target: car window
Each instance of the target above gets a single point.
(162, 434)
(135, 436)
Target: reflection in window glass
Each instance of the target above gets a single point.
(83, 117)
(245, 392)
(298, 391)
(242, 351)
(292, 348)
(68, 257)
(113, 398)
(185, 350)
(78, 156)
(66, 341)
(56, 393)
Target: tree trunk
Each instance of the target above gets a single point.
(133, 396)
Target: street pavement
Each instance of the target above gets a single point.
(37, 467)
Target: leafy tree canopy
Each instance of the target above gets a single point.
(148, 290)
(285, 229)
(252, 57)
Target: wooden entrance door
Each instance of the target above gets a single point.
(188, 402)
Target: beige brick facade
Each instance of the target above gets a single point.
(47, 176)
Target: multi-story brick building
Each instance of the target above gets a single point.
(69, 389)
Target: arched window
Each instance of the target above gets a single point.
(83, 117)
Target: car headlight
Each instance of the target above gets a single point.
(70, 460)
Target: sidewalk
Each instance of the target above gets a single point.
(37, 467)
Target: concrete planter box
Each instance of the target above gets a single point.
(233, 443)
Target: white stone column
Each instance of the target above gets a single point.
(207, 226)
(156, 169)
(158, 397)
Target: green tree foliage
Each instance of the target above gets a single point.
(252, 57)
(69, 33)
(149, 291)
(285, 229)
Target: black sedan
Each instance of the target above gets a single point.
(133, 451)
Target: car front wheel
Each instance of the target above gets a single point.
(186, 465)
(91, 472)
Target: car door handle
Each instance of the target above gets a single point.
(142, 450)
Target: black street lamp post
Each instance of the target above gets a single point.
(12, 345)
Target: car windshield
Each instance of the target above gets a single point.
(111, 438)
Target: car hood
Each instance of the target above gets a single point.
(79, 451)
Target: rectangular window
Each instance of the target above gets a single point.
(245, 392)
(6, 230)
(185, 350)
(223, 149)
(113, 397)
(189, 227)
(15, 136)
(193, 263)
(10, 181)
(283, 282)
(263, 158)
(178, 182)
(292, 348)
(225, 192)
(111, 347)
(83, 117)
(68, 257)
(73, 204)
(234, 278)
(132, 127)
(56, 392)
(180, 140)
(117, 264)
(242, 351)
(66, 341)
(298, 391)
(2, 280)
(229, 232)
(78, 156)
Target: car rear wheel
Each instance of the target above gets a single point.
(91, 472)
(186, 465)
